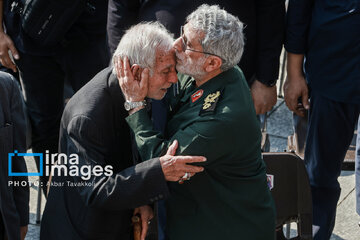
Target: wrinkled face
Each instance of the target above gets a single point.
(163, 76)
(190, 58)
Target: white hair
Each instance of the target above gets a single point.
(223, 33)
(141, 42)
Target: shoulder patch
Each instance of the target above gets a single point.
(197, 95)
(210, 102)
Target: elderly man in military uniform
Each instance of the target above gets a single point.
(212, 115)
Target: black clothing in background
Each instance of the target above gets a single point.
(328, 33)
(14, 200)
(90, 23)
(264, 31)
(43, 70)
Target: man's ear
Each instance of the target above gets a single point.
(136, 71)
(212, 63)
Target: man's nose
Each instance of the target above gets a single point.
(173, 77)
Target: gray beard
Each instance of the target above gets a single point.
(193, 69)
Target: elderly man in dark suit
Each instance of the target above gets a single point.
(93, 127)
(14, 200)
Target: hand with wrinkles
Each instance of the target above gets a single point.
(175, 167)
(133, 81)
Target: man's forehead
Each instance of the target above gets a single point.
(164, 60)
(165, 56)
(192, 35)
(190, 32)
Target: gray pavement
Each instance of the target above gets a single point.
(279, 128)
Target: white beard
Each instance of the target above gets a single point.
(190, 67)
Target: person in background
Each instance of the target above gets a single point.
(357, 169)
(43, 69)
(14, 197)
(322, 43)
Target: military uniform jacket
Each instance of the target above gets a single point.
(93, 126)
(230, 199)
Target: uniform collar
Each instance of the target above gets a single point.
(215, 84)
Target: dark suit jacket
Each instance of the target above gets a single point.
(93, 126)
(264, 31)
(14, 201)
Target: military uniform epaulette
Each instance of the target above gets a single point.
(210, 103)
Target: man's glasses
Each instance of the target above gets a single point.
(185, 47)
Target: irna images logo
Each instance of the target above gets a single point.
(61, 165)
(12, 156)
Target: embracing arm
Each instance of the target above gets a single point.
(129, 188)
(138, 185)
(200, 138)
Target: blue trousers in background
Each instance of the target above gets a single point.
(331, 128)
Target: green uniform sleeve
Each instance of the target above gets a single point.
(149, 141)
(204, 137)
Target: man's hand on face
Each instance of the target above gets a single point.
(133, 81)
(175, 167)
(264, 97)
(146, 214)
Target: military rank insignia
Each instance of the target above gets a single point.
(210, 102)
(197, 95)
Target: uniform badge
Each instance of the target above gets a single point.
(197, 95)
(210, 102)
(270, 181)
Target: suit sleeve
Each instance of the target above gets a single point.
(298, 19)
(270, 29)
(21, 193)
(141, 184)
